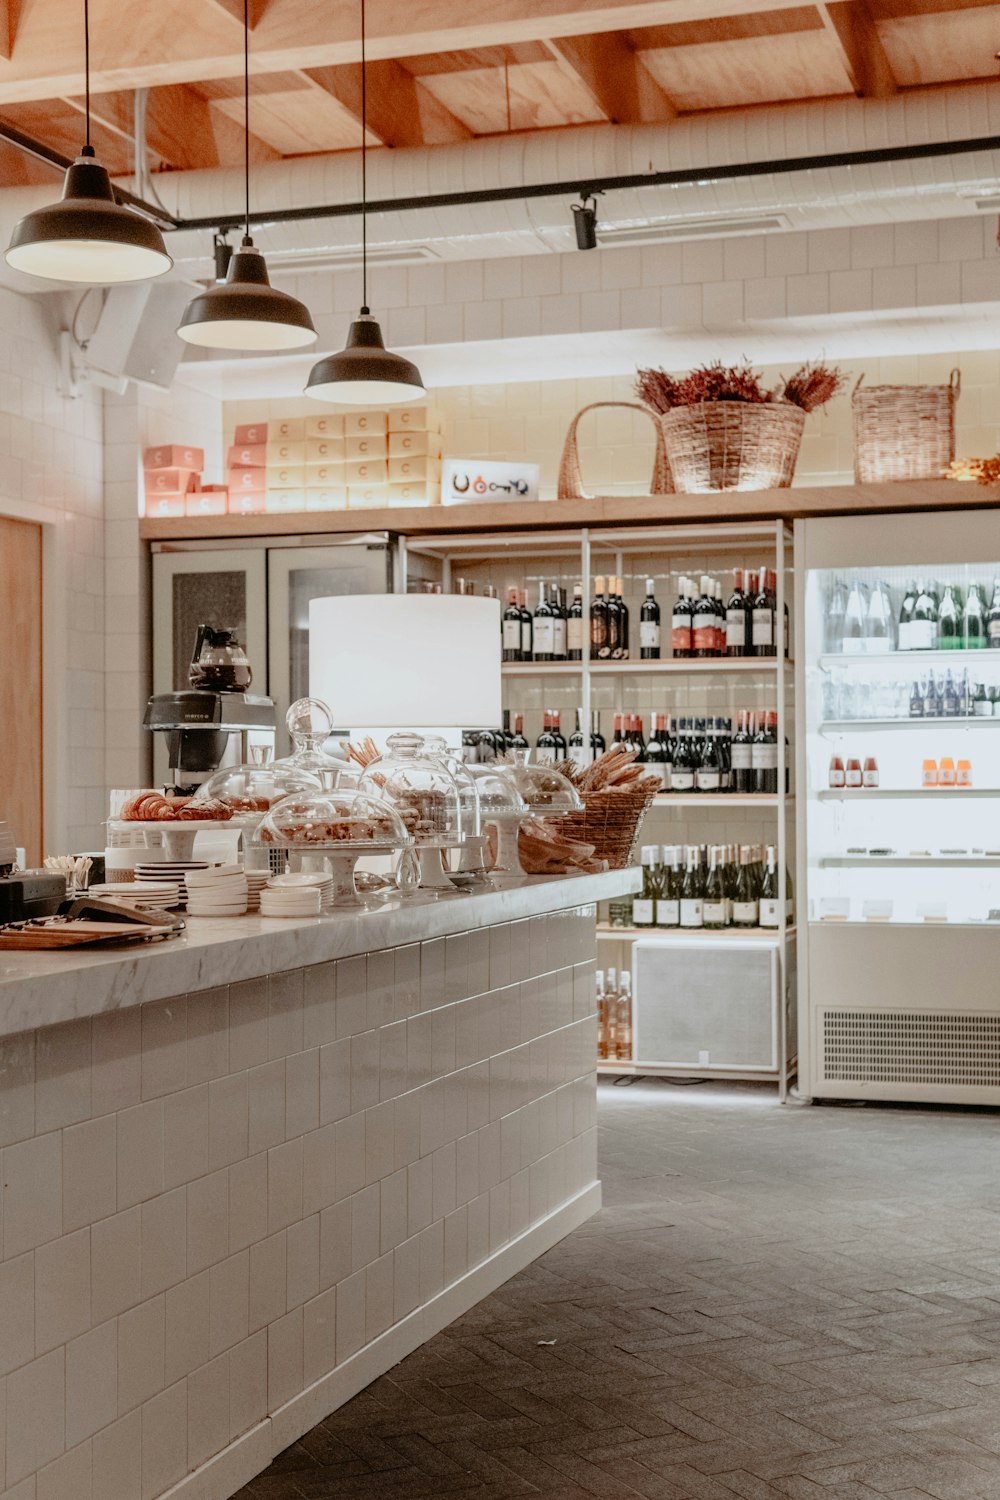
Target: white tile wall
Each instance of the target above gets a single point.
(173, 1269)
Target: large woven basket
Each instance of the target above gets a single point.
(611, 820)
(732, 445)
(904, 431)
(570, 483)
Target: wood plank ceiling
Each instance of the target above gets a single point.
(443, 71)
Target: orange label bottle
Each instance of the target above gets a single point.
(930, 774)
(964, 773)
(946, 772)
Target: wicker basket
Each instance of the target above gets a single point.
(732, 445)
(904, 431)
(610, 820)
(570, 483)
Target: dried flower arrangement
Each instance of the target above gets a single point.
(811, 386)
(985, 470)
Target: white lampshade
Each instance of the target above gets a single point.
(424, 660)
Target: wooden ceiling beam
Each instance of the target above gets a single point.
(234, 8)
(616, 78)
(183, 131)
(190, 40)
(400, 110)
(853, 28)
(10, 15)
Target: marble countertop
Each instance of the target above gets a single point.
(41, 989)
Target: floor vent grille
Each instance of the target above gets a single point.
(896, 1047)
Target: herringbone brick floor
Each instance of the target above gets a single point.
(774, 1304)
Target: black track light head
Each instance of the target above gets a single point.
(585, 222)
(222, 251)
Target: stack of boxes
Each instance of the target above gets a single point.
(172, 482)
(364, 459)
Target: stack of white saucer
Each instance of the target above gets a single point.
(220, 891)
(131, 893)
(256, 881)
(175, 870)
(296, 895)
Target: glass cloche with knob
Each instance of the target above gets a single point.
(547, 792)
(310, 724)
(428, 799)
(337, 825)
(502, 809)
(250, 791)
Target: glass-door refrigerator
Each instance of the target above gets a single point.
(898, 703)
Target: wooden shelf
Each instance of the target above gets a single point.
(721, 665)
(709, 938)
(602, 511)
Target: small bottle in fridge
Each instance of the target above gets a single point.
(853, 774)
(837, 776)
(602, 1017)
(946, 772)
(929, 775)
(963, 773)
(869, 774)
(623, 1019)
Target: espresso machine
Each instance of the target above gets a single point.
(215, 721)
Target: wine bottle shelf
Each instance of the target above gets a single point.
(708, 939)
(873, 793)
(720, 664)
(910, 861)
(718, 799)
(969, 721)
(908, 659)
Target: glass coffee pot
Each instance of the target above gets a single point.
(219, 663)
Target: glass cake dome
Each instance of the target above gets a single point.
(320, 820)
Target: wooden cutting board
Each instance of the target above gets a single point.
(75, 934)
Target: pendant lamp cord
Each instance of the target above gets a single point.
(246, 111)
(86, 69)
(364, 169)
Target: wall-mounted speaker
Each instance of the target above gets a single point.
(136, 334)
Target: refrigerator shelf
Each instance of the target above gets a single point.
(708, 939)
(718, 799)
(968, 721)
(909, 861)
(907, 658)
(879, 793)
(716, 664)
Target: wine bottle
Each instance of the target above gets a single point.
(685, 763)
(703, 622)
(558, 624)
(714, 901)
(576, 749)
(618, 737)
(764, 757)
(545, 745)
(737, 618)
(708, 777)
(854, 620)
(770, 896)
(598, 622)
(993, 619)
(668, 906)
(763, 618)
(527, 630)
(649, 625)
(746, 912)
(614, 620)
(949, 626)
(906, 617)
(644, 905)
(597, 745)
(543, 628)
(923, 625)
(560, 745)
(519, 742)
(742, 775)
(602, 1017)
(620, 647)
(658, 750)
(974, 620)
(833, 624)
(879, 620)
(574, 626)
(680, 628)
(692, 897)
(623, 1019)
(511, 629)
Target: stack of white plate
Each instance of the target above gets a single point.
(220, 891)
(132, 893)
(256, 881)
(175, 870)
(302, 880)
(292, 896)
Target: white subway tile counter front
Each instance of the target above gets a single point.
(247, 1172)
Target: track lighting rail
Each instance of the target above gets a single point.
(679, 177)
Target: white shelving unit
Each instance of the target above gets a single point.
(688, 687)
(903, 1008)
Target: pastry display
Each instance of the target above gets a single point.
(313, 820)
(249, 791)
(154, 807)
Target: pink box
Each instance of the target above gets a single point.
(165, 505)
(247, 456)
(174, 456)
(247, 481)
(246, 502)
(214, 502)
(173, 481)
(250, 434)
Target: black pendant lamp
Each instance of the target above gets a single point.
(245, 311)
(88, 236)
(365, 372)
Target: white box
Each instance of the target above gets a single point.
(286, 429)
(285, 500)
(369, 445)
(408, 470)
(470, 481)
(322, 476)
(367, 496)
(332, 498)
(291, 477)
(366, 471)
(413, 494)
(283, 451)
(329, 424)
(357, 423)
(410, 418)
(325, 450)
(427, 444)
